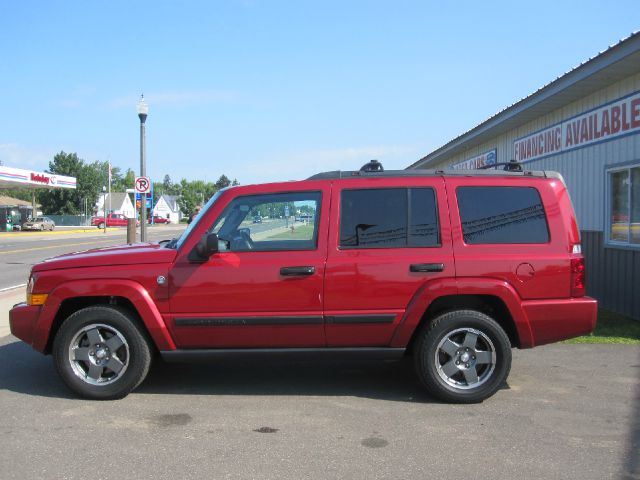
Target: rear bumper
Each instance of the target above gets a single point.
(22, 321)
(554, 320)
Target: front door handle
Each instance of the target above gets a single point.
(426, 267)
(297, 271)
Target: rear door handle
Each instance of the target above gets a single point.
(426, 267)
(297, 271)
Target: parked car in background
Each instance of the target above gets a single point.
(40, 224)
(257, 219)
(157, 219)
(112, 220)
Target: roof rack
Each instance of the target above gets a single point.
(510, 166)
(372, 166)
(375, 169)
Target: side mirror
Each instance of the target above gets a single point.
(207, 246)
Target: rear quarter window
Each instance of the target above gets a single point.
(502, 215)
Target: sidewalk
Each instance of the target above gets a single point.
(7, 301)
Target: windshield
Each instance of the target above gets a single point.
(197, 219)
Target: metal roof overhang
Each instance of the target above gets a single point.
(616, 63)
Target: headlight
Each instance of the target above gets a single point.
(34, 298)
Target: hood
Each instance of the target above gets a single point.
(136, 254)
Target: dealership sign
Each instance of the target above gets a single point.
(484, 160)
(615, 119)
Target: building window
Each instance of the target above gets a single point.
(624, 206)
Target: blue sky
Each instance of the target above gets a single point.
(273, 90)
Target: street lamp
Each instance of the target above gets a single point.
(143, 110)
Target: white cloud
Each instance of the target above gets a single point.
(18, 156)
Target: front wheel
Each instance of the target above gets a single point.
(463, 356)
(101, 225)
(100, 353)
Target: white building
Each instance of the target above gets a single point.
(116, 203)
(167, 207)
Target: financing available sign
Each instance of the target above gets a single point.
(615, 119)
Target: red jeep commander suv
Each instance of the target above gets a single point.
(454, 268)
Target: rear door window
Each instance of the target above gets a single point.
(388, 218)
(502, 215)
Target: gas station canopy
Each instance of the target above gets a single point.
(19, 178)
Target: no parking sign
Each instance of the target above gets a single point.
(143, 184)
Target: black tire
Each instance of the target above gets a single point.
(101, 225)
(85, 361)
(462, 356)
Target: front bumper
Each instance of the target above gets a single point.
(22, 321)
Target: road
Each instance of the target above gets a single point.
(569, 411)
(18, 252)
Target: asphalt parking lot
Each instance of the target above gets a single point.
(569, 411)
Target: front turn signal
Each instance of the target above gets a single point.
(36, 298)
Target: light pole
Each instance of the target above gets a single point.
(143, 110)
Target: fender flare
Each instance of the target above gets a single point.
(435, 289)
(132, 291)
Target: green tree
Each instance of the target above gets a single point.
(223, 182)
(167, 185)
(120, 182)
(19, 193)
(90, 179)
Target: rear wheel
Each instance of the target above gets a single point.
(101, 353)
(463, 356)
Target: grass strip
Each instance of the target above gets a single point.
(612, 328)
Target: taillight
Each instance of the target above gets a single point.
(578, 277)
